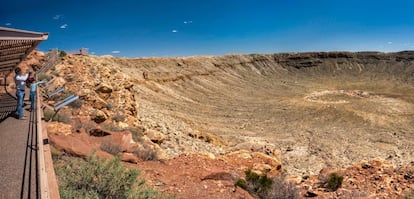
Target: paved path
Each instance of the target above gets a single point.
(17, 151)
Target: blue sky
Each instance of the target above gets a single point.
(143, 28)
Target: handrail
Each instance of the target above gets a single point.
(65, 102)
(48, 183)
(61, 89)
(51, 61)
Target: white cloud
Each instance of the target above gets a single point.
(174, 31)
(64, 26)
(116, 51)
(390, 42)
(56, 17)
(8, 24)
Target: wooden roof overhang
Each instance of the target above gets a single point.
(15, 45)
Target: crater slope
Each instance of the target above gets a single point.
(312, 110)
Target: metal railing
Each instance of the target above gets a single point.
(48, 187)
(48, 183)
(52, 60)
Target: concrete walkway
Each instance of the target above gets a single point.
(18, 157)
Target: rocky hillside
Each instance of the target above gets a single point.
(308, 110)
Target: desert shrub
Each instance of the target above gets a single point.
(56, 153)
(55, 72)
(61, 96)
(98, 178)
(282, 189)
(113, 128)
(265, 187)
(88, 126)
(77, 104)
(62, 53)
(260, 184)
(113, 71)
(109, 106)
(48, 114)
(111, 148)
(334, 182)
(137, 133)
(410, 194)
(43, 76)
(118, 117)
(93, 71)
(241, 183)
(146, 153)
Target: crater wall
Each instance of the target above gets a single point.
(311, 109)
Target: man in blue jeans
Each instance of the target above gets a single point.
(20, 81)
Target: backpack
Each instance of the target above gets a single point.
(30, 80)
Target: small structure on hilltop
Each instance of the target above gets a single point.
(83, 51)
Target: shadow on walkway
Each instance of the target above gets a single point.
(18, 151)
(7, 106)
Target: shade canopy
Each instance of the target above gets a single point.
(15, 45)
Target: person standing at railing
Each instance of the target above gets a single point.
(20, 81)
(33, 88)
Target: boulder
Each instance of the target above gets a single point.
(78, 144)
(155, 136)
(99, 103)
(129, 157)
(104, 88)
(57, 128)
(98, 116)
(86, 93)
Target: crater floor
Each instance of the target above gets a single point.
(315, 116)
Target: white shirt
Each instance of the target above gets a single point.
(20, 81)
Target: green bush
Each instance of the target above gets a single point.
(334, 182)
(62, 53)
(241, 183)
(48, 114)
(259, 184)
(265, 187)
(98, 178)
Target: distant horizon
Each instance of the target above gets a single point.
(161, 28)
(206, 55)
